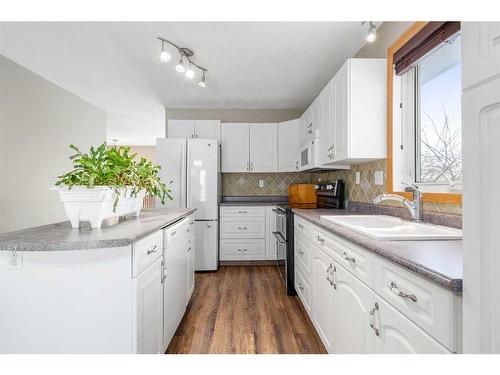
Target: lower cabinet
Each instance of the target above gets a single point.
(149, 309)
(349, 315)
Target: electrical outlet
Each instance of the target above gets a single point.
(358, 177)
(16, 261)
(261, 183)
(379, 177)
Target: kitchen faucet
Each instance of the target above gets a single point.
(415, 207)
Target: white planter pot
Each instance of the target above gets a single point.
(96, 204)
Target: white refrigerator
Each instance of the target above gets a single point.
(190, 168)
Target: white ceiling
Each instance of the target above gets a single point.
(116, 66)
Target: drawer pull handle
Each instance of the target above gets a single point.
(300, 252)
(346, 257)
(395, 290)
(242, 212)
(300, 226)
(153, 250)
(242, 228)
(321, 240)
(173, 233)
(372, 319)
(301, 287)
(330, 271)
(242, 249)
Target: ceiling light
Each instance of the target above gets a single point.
(185, 53)
(164, 55)
(189, 72)
(180, 66)
(203, 82)
(372, 33)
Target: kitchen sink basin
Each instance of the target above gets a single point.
(391, 228)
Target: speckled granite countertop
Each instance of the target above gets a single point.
(253, 201)
(60, 236)
(438, 261)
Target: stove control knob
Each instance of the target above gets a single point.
(329, 187)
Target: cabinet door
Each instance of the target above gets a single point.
(480, 52)
(207, 129)
(264, 147)
(481, 137)
(190, 252)
(149, 305)
(399, 335)
(235, 142)
(271, 227)
(288, 146)
(352, 333)
(180, 129)
(322, 301)
(340, 111)
(326, 124)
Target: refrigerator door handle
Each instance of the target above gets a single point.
(187, 190)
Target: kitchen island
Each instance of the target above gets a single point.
(67, 290)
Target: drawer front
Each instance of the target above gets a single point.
(352, 257)
(146, 251)
(302, 226)
(243, 211)
(302, 254)
(433, 308)
(303, 288)
(243, 228)
(242, 249)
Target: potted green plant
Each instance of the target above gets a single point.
(107, 182)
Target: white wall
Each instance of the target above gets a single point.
(38, 120)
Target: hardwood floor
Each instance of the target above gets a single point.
(244, 310)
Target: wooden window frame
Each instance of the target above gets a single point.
(450, 198)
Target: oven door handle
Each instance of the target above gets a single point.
(280, 238)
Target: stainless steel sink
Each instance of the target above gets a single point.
(391, 228)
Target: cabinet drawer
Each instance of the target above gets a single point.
(242, 249)
(302, 226)
(243, 211)
(352, 257)
(146, 251)
(302, 255)
(303, 288)
(243, 228)
(433, 308)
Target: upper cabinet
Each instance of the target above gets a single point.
(194, 129)
(235, 145)
(264, 147)
(348, 118)
(288, 146)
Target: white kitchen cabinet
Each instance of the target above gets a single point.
(480, 52)
(194, 129)
(190, 262)
(235, 145)
(340, 126)
(270, 228)
(149, 309)
(481, 136)
(323, 297)
(399, 335)
(288, 146)
(264, 147)
(353, 300)
(325, 122)
(306, 126)
(206, 246)
(180, 128)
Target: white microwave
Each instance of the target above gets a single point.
(309, 154)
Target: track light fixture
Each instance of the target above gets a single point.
(372, 32)
(184, 53)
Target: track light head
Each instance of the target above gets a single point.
(164, 55)
(180, 66)
(203, 82)
(189, 72)
(372, 33)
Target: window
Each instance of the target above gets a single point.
(426, 128)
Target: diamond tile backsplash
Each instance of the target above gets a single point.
(247, 184)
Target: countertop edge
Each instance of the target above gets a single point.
(452, 284)
(86, 244)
